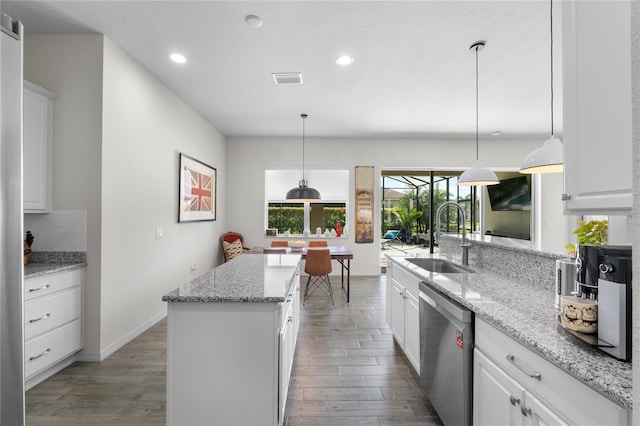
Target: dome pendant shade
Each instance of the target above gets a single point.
(477, 175)
(548, 159)
(303, 192)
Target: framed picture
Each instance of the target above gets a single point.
(197, 200)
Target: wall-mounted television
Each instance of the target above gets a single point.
(510, 194)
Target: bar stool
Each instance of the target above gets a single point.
(318, 267)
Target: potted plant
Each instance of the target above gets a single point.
(592, 232)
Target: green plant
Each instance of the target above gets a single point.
(592, 232)
(408, 217)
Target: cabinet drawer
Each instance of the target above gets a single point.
(46, 313)
(52, 347)
(578, 402)
(406, 279)
(47, 284)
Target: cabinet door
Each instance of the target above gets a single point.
(597, 105)
(286, 340)
(497, 398)
(389, 282)
(539, 414)
(397, 312)
(412, 329)
(37, 135)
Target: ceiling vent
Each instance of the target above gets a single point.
(287, 78)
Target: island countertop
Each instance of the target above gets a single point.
(249, 278)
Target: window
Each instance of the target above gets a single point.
(296, 217)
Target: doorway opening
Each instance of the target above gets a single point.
(410, 199)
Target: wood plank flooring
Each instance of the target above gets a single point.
(347, 371)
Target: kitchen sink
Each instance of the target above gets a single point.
(438, 265)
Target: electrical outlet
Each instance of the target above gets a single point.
(159, 233)
(194, 267)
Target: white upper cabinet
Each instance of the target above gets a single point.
(37, 145)
(597, 106)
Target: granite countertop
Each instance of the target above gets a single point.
(527, 314)
(45, 263)
(249, 278)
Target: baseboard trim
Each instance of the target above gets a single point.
(109, 350)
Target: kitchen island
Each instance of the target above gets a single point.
(231, 335)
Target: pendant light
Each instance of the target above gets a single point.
(477, 175)
(549, 158)
(303, 192)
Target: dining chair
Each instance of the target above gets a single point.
(318, 267)
(279, 243)
(232, 245)
(318, 244)
(274, 250)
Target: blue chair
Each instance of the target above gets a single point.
(390, 237)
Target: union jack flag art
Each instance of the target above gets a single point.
(201, 191)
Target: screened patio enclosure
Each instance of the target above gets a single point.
(407, 193)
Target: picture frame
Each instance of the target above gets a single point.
(197, 190)
(364, 204)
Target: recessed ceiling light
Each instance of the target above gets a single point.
(344, 60)
(253, 21)
(178, 58)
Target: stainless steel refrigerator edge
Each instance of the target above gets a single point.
(12, 410)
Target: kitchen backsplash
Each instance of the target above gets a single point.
(518, 263)
(58, 231)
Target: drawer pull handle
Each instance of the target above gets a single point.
(44, 287)
(38, 356)
(512, 359)
(514, 400)
(45, 316)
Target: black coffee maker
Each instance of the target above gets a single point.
(603, 273)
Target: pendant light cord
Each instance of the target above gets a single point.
(304, 116)
(477, 156)
(551, 30)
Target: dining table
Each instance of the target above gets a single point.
(341, 254)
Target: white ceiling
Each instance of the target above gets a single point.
(413, 74)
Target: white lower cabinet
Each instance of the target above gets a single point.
(403, 291)
(514, 386)
(288, 335)
(52, 323)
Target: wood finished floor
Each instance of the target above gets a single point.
(347, 371)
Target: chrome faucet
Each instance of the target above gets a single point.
(464, 246)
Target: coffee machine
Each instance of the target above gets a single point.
(603, 273)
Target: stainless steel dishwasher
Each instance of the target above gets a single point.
(446, 356)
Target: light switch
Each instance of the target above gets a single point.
(158, 233)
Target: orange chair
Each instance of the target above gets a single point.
(318, 267)
(274, 250)
(318, 244)
(279, 243)
(232, 245)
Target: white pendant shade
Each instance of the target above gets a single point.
(477, 175)
(548, 159)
